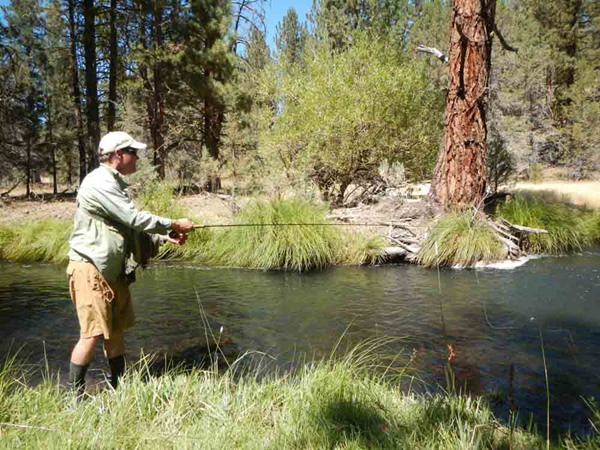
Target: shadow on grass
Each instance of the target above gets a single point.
(193, 356)
(363, 423)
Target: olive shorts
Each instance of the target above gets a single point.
(103, 308)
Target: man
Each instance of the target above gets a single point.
(108, 232)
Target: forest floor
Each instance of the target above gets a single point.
(217, 208)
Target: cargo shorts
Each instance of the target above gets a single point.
(103, 308)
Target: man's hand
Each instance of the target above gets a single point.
(179, 240)
(182, 226)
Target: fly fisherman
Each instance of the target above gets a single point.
(109, 240)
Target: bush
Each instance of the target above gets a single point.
(158, 198)
(460, 239)
(343, 113)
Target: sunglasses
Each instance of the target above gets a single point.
(133, 151)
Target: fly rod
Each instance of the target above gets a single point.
(175, 235)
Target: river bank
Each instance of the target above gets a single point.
(341, 404)
(395, 226)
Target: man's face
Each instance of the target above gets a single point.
(128, 161)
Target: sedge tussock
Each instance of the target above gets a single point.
(459, 239)
(569, 227)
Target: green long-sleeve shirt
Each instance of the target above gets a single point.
(105, 220)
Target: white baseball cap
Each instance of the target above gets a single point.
(118, 140)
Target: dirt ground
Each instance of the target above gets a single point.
(210, 208)
(217, 208)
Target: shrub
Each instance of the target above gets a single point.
(158, 198)
(343, 113)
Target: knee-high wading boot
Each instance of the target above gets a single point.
(77, 378)
(117, 367)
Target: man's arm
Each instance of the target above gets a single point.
(115, 205)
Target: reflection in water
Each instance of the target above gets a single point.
(490, 318)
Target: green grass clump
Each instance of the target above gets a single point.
(569, 227)
(40, 240)
(359, 248)
(297, 248)
(332, 404)
(460, 239)
(7, 234)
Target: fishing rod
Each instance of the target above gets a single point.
(175, 234)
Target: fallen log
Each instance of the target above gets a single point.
(522, 228)
(529, 230)
(408, 248)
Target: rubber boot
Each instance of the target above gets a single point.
(77, 378)
(117, 367)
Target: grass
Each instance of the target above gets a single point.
(359, 247)
(295, 248)
(459, 239)
(569, 227)
(338, 403)
(582, 193)
(41, 240)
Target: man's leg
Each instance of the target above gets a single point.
(114, 350)
(81, 357)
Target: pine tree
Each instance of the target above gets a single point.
(290, 38)
(23, 44)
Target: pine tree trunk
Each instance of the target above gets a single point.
(158, 124)
(77, 93)
(111, 111)
(28, 170)
(91, 82)
(49, 126)
(460, 177)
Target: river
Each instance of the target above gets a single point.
(494, 320)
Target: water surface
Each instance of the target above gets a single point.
(493, 319)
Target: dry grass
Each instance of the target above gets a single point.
(583, 193)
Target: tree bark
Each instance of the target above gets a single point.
(460, 177)
(158, 123)
(111, 111)
(77, 93)
(49, 126)
(28, 169)
(91, 82)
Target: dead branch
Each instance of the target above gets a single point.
(433, 51)
(408, 248)
(523, 229)
(4, 194)
(503, 42)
